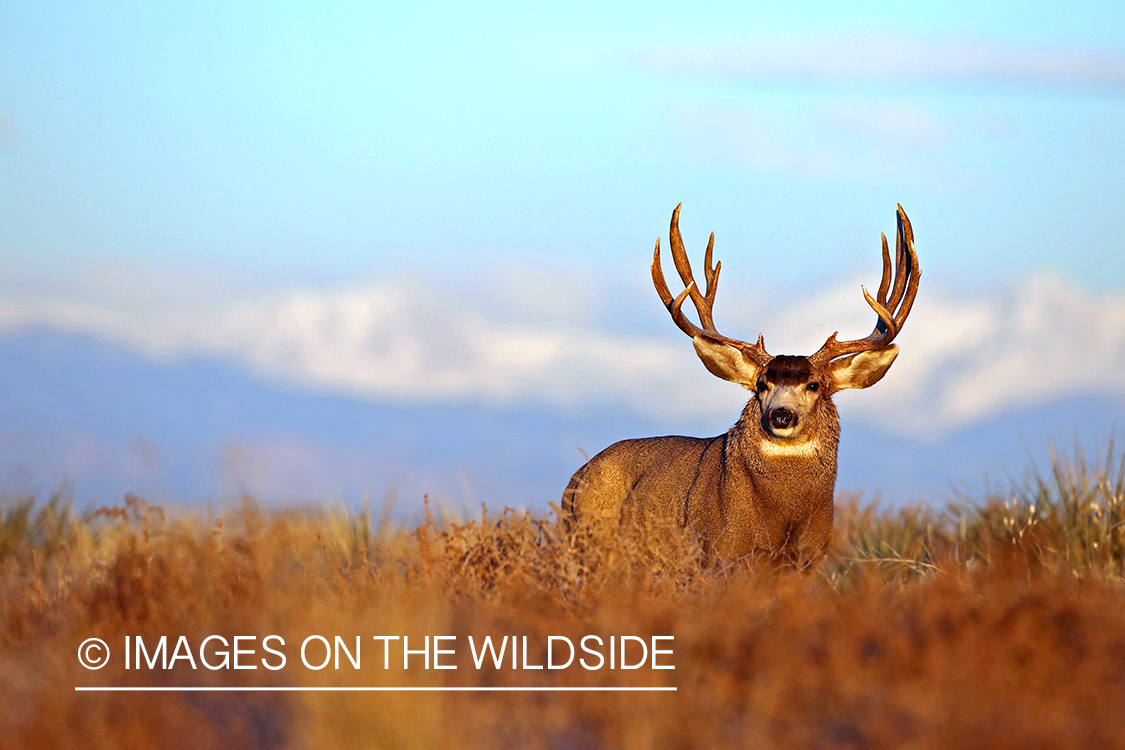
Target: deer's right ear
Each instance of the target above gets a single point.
(726, 361)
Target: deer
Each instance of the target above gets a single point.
(766, 487)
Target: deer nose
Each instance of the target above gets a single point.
(782, 418)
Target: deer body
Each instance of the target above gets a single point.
(766, 486)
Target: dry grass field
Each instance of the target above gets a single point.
(995, 623)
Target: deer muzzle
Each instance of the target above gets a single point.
(782, 418)
(785, 409)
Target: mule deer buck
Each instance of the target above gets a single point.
(765, 487)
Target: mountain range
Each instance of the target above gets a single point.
(97, 420)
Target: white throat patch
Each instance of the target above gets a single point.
(769, 447)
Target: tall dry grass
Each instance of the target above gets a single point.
(998, 623)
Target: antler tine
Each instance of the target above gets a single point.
(892, 312)
(907, 232)
(658, 277)
(887, 321)
(902, 267)
(885, 284)
(712, 277)
(674, 305)
(681, 319)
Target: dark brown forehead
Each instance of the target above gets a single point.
(786, 368)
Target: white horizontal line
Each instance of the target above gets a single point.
(296, 689)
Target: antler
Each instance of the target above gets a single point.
(902, 296)
(703, 301)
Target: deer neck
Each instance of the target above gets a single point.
(785, 468)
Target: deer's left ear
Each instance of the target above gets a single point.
(864, 369)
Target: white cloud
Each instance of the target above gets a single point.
(860, 117)
(833, 138)
(895, 59)
(964, 358)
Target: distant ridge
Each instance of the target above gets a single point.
(101, 421)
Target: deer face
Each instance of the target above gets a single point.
(787, 390)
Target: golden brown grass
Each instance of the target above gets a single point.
(999, 624)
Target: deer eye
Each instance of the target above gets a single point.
(761, 386)
(814, 387)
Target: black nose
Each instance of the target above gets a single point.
(781, 418)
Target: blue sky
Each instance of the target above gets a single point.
(453, 207)
(289, 144)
